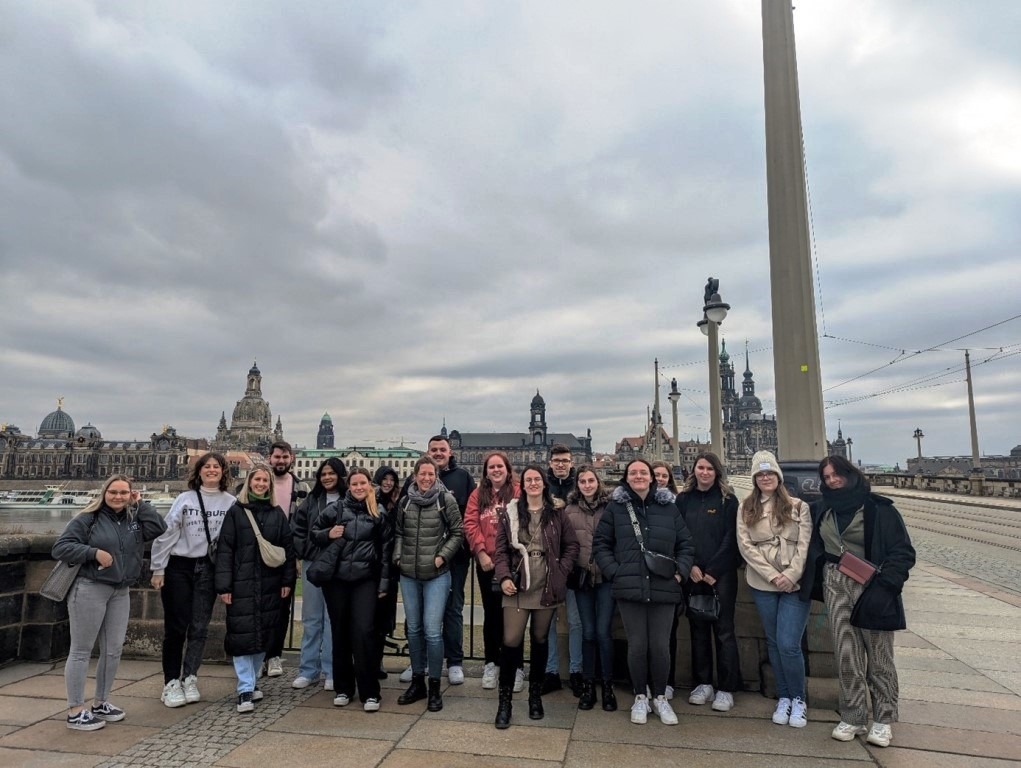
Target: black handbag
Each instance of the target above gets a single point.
(515, 577)
(658, 564)
(580, 579)
(324, 567)
(704, 607)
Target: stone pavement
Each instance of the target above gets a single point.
(960, 676)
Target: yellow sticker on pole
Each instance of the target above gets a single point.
(804, 369)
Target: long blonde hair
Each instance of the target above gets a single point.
(783, 505)
(243, 495)
(370, 497)
(97, 502)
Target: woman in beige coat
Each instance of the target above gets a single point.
(773, 532)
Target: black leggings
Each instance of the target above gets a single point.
(492, 621)
(647, 627)
(512, 654)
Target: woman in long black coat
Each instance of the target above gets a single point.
(252, 590)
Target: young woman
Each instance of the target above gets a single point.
(363, 539)
(663, 474)
(107, 539)
(853, 519)
(182, 569)
(316, 638)
(429, 534)
(388, 491)
(253, 591)
(709, 508)
(536, 549)
(481, 518)
(595, 594)
(663, 477)
(773, 533)
(646, 576)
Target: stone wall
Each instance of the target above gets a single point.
(964, 485)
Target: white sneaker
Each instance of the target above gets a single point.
(301, 682)
(406, 675)
(519, 681)
(881, 735)
(783, 712)
(640, 709)
(371, 705)
(669, 693)
(489, 676)
(702, 694)
(328, 685)
(341, 700)
(723, 702)
(455, 674)
(847, 732)
(798, 718)
(274, 667)
(173, 695)
(666, 713)
(191, 689)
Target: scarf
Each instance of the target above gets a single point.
(427, 498)
(846, 501)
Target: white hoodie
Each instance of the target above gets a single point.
(186, 535)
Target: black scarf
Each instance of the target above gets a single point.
(847, 500)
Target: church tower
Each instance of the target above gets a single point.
(324, 440)
(537, 423)
(728, 395)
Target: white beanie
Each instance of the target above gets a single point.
(765, 461)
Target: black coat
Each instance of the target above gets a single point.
(302, 520)
(712, 521)
(253, 617)
(620, 558)
(888, 546)
(367, 542)
(561, 489)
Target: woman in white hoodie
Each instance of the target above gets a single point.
(182, 569)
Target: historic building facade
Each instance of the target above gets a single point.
(60, 452)
(251, 425)
(745, 428)
(1004, 467)
(401, 459)
(522, 448)
(324, 439)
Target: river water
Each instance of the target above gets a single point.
(45, 519)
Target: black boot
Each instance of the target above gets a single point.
(435, 697)
(577, 684)
(535, 711)
(416, 691)
(503, 712)
(550, 682)
(609, 700)
(587, 700)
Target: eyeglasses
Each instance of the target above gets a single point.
(559, 461)
(533, 481)
(119, 493)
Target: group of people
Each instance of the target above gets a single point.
(541, 539)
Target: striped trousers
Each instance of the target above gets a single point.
(864, 657)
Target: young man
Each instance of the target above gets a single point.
(561, 478)
(460, 483)
(288, 491)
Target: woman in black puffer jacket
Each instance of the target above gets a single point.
(253, 591)
(647, 601)
(357, 540)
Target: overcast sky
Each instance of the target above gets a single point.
(410, 211)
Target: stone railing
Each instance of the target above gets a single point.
(964, 485)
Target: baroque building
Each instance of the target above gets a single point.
(400, 459)
(745, 428)
(251, 425)
(59, 452)
(530, 447)
(324, 440)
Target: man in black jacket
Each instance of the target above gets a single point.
(562, 479)
(460, 483)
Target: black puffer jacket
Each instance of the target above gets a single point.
(367, 541)
(712, 521)
(619, 556)
(424, 532)
(301, 524)
(253, 617)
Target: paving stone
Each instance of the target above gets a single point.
(965, 698)
(483, 739)
(413, 758)
(23, 671)
(353, 723)
(558, 714)
(954, 716)
(51, 687)
(212, 688)
(1004, 746)
(54, 735)
(586, 754)
(930, 664)
(910, 640)
(295, 749)
(21, 710)
(972, 681)
(24, 758)
(895, 757)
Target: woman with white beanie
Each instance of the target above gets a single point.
(773, 533)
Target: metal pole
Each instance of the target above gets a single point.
(674, 396)
(976, 462)
(715, 396)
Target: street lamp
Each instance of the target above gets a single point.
(673, 397)
(918, 439)
(714, 312)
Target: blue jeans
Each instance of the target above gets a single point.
(424, 605)
(453, 616)
(574, 639)
(316, 637)
(595, 608)
(784, 618)
(247, 670)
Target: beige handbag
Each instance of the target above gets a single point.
(272, 555)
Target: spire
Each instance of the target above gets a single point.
(747, 365)
(443, 431)
(724, 355)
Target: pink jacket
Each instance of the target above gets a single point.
(480, 525)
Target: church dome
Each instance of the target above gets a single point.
(724, 354)
(89, 432)
(326, 419)
(537, 401)
(57, 424)
(254, 370)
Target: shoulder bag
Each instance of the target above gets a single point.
(272, 555)
(59, 582)
(210, 542)
(853, 567)
(660, 565)
(704, 607)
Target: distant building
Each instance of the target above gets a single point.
(745, 428)
(60, 452)
(401, 459)
(251, 425)
(522, 448)
(1003, 467)
(324, 440)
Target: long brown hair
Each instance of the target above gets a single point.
(671, 484)
(195, 478)
(783, 505)
(721, 474)
(486, 491)
(370, 498)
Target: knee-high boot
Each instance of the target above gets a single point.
(503, 712)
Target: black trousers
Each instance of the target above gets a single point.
(284, 630)
(188, 597)
(352, 608)
(703, 635)
(492, 620)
